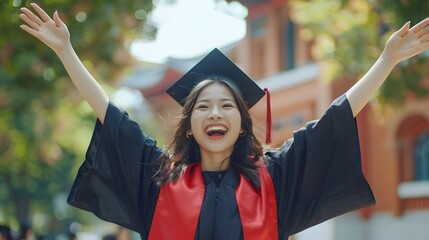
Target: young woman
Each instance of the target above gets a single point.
(214, 181)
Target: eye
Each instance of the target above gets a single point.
(201, 106)
(228, 105)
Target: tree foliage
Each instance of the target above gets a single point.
(350, 34)
(44, 126)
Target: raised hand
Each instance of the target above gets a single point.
(54, 33)
(403, 44)
(51, 31)
(406, 43)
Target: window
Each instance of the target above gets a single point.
(413, 148)
(258, 32)
(421, 157)
(289, 45)
(413, 153)
(258, 27)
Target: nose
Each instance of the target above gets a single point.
(215, 114)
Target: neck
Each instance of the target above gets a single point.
(215, 161)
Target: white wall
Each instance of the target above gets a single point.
(382, 226)
(323, 231)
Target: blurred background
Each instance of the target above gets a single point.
(306, 52)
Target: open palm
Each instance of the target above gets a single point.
(406, 42)
(51, 31)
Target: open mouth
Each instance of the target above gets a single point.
(214, 131)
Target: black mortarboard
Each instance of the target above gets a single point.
(217, 64)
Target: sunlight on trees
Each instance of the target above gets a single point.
(44, 125)
(349, 35)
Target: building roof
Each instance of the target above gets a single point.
(290, 78)
(148, 77)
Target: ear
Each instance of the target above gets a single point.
(242, 132)
(189, 132)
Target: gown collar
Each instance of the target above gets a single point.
(179, 205)
(229, 177)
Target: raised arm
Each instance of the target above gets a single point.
(403, 44)
(54, 33)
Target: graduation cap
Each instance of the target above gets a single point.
(217, 64)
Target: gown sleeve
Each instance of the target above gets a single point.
(115, 180)
(317, 175)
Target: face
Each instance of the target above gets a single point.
(216, 120)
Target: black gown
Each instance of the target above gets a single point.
(317, 175)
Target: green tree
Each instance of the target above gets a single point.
(350, 34)
(44, 125)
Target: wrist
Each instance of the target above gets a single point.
(67, 49)
(387, 60)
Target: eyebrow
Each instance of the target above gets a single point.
(222, 100)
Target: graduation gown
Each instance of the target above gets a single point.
(317, 175)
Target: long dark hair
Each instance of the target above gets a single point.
(184, 150)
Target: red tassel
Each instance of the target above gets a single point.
(268, 121)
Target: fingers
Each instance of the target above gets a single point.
(423, 32)
(32, 19)
(29, 30)
(419, 26)
(404, 29)
(30, 22)
(57, 20)
(425, 37)
(35, 22)
(31, 16)
(45, 17)
(422, 47)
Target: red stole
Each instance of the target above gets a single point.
(179, 204)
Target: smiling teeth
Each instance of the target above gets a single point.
(216, 128)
